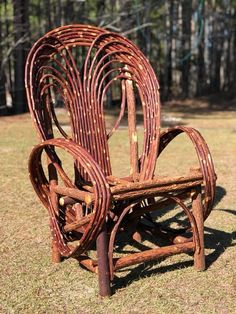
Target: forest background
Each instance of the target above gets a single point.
(190, 43)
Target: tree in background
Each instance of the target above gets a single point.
(21, 38)
(3, 103)
(190, 43)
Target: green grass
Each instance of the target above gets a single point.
(30, 283)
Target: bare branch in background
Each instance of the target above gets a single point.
(22, 40)
(137, 28)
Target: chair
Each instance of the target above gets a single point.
(81, 66)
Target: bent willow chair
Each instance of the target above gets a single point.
(83, 67)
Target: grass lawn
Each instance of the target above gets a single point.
(30, 283)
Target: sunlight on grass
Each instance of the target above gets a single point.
(30, 283)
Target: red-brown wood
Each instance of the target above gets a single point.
(78, 64)
(199, 256)
(153, 254)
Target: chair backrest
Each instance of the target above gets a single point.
(81, 79)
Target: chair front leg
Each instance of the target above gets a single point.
(199, 255)
(56, 256)
(103, 265)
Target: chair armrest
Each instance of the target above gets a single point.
(101, 196)
(204, 157)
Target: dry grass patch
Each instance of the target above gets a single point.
(30, 283)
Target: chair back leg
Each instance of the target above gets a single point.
(199, 255)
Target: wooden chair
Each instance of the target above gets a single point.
(79, 64)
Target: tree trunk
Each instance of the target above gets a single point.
(201, 70)
(100, 12)
(3, 108)
(21, 32)
(233, 85)
(58, 17)
(69, 10)
(126, 17)
(168, 53)
(9, 65)
(48, 15)
(186, 46)
(216, 51)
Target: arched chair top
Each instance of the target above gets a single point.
(82, 83)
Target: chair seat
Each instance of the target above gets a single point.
(123, 189)
(158, 185)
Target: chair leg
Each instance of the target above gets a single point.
(199, 255)
(56, 256)
(103, 266)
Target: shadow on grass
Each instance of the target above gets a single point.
(215, 240)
